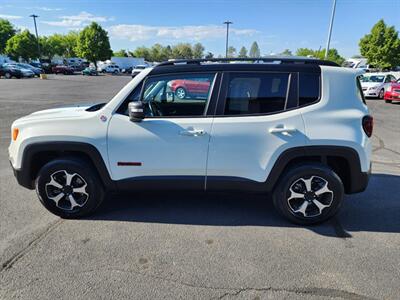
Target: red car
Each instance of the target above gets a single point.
(393, 92)
(66, 70)
(184, 87)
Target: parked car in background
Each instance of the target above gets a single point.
(197, 87)
(136, 70)
(35, 70)
(12, 70)
(90, 71)
(375, 84)
(66, 70)
(393, 92)
(113, 69)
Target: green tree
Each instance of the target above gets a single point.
(22, 45)
(254, 50)
(231, 51)
(70, 41)
(53, 45)
(198, 50)
(305, 52)
(142, 52)
(382, 46)
(93, 43)
(182, 50)
(7, 31)
(45, 47)
(120, 53)
(243, 52)
(156, 53)
(287, 52)
(333, 54)
(166, 53)
(209, 55)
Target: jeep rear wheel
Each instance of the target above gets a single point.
(309, 194)
(69, 188)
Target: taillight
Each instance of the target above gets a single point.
(368, 125)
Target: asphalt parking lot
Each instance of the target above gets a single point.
(194, 246)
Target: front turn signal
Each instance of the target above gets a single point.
(15, 134)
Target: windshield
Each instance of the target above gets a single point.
(140, 67)
(372, 78)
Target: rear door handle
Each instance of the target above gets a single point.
(193, 132)
(282, 129)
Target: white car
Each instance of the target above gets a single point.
(376, 84)
(136, 70)
(113, 69)
(299, 131)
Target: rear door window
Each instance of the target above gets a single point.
(256, 93)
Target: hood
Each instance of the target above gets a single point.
(370, 84)
(55, 113)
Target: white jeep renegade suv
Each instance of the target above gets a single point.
(294, 128)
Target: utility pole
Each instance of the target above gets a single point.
(37, 36)
(330, 29)
(227, 36)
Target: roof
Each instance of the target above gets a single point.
(261, 60)
(271, 63)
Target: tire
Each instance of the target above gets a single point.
(306, 209)
(51, 183)
(381, 94)
(388, 101)
(8, 75)
(181, 93)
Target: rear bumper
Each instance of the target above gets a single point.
(359, 182)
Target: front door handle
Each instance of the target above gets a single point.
(282, 129)
(193, 132)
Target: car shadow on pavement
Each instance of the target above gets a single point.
(376, 210)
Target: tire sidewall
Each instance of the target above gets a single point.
(281, 193)
(94, 187)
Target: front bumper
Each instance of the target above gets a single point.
(372, 93)
(392, 96)
(23, 178)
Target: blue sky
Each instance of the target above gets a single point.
(275, 25)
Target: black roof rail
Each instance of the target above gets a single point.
(269, 59)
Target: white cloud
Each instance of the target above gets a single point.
(10, 17)
(45, 8)
(143, 32)
(82, 19)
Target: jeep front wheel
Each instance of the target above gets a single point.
(309, 194)
(69, 188)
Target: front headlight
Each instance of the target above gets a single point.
(372, 88)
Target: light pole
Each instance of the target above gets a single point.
(37, 36)
(227, 36)
(330, 29)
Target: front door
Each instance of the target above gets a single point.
(171, 143)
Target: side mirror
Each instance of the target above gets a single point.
(136, 113)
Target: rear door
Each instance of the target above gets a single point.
(256, 121)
